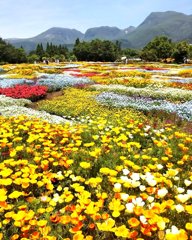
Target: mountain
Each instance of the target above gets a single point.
(175, 25)
(63, 36)
(58, 36)
(103, 33)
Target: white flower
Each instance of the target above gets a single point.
(126, 171)
(189, 193)
(179, 208)
(150, 199)
(125, 179)
(180, 190)
(159, 166)
(129, 207)
(143, 219)
(182, 197)
(187, 182)
(162, 192)
(173, 230)
(124, 196)
(138, 202)
(147, 127)
(135, 183)
(117, 185)
(152, 182)
(56, 197)
(142, 188)
(135, 176)
(59, 173)
(176, 178)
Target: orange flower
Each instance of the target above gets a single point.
(133, 234)
(91, 225)
(105, 216)
(77, 227)
(134, 222)
(14, 237)
(146, 231)
(55, 218)
(35, 235)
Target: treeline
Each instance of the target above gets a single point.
(10, 54)
(161, 48)
(50, 52)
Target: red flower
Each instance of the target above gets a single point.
(25, 91)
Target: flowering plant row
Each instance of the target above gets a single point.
(94, 181)
(11, 82)
(183, 110)
(25, 91)
(168, 93)
(8, 101)
(56, 82)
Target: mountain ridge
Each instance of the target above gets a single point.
(174, 25)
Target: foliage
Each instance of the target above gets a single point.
(159, 48)
(96, 50)
(51, 52)
(180, 52)
(10, 54)
(130, 53)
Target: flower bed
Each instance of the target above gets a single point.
(173, 94)
(184, 110)
(111, 172)
(94, 181)
(6, 83)
(33, 93)
(56, 82)
(8, 101)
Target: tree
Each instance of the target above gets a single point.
(10, 54)
(181, 51)
(131, 53)
(40, 51)
(96, 50)
(190, 52)
(33, 58)
(161, 47)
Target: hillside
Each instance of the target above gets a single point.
(176, 26)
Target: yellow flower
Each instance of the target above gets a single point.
(42, 223)
(15, 194)
(6, 172)
(89, 144)
(116, 206)
(107, 225)
(188, 226)
(19, 216)
(3, 196)
(85, 165)
(122, 231)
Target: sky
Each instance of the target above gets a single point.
(28, 18)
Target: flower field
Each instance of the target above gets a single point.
(110, 157)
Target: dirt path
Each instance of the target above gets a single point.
(49, 96)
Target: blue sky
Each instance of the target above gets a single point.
(28, 18)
